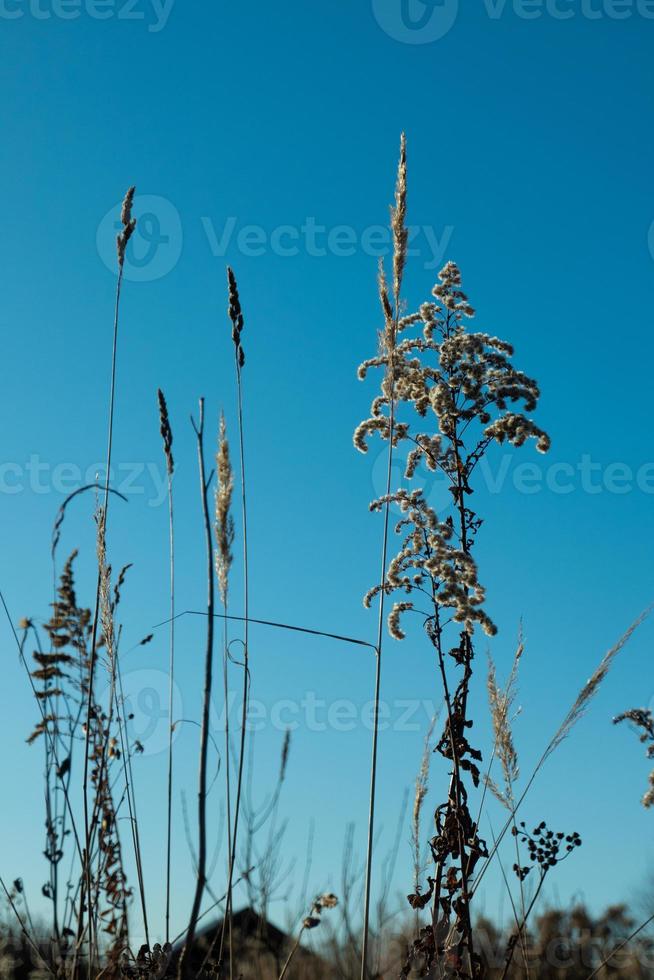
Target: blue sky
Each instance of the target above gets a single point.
(266, 136)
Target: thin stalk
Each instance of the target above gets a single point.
(523, 906)
(246, 668)
(572, 717)
(228, 797)
(129, 224)
(282, 626)
(312, 920)
(521, 926)
(620, 946)
(131, 797)
(31, 942)
(289, 960)
(167, 437)
(391, 326)
(171, 669)
(378, 663)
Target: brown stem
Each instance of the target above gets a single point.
(184, 969)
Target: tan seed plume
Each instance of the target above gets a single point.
(398, 225)
(501, 704)
(422, 788)
(592, 685)
(224, 522)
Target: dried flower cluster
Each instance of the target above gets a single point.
(466, 381)
(322, 902)
(544, 847)
(642, 719)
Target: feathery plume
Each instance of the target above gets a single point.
(501, 703)
(126, 209)
(590, 688)
(398, 225)
(422, 788)
(385, 301)
(106, 607)
(224, 522)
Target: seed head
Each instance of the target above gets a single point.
(235, 315)
(129, 224)
(166, 431)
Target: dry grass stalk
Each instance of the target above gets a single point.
(590, 688)
(129, 224)
(389, 335)
(471, 376)
(311, 921)
(501, 704)
(467, 381)
(576, 712)
(167, 439)
(235, 315)
(110, 876)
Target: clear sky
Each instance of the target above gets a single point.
(265, 135)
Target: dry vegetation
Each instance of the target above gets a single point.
(452, 394)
